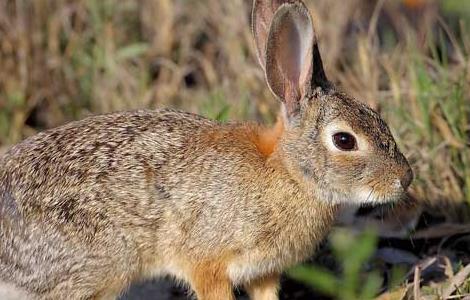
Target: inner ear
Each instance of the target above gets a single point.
(289, 54)
(261, 19)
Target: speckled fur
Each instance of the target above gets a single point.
(100, 202)
(89, 207)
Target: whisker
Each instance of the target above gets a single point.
(370, 193)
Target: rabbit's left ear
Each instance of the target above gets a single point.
(293, 62)
(261, 18)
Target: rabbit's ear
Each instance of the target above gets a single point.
(293, 62)
(261, 17)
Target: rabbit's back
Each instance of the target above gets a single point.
(137, 194)
(75, 200)
(76, 172)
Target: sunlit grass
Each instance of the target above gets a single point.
(434, 122)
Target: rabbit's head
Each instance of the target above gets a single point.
(336, 146)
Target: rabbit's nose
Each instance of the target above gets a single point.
(407, 178)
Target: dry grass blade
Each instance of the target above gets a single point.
(398, 294)
(446, 132)
(443, 230)
(416, 284)
(428, 263)
(448, 271)
(456, 282)
(459, 297)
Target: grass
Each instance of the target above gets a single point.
(435, 114)
(352, 252)
(353, 266)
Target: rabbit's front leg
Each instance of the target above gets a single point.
(264, 288)
(210, 282)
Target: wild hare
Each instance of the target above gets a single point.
(89, 207)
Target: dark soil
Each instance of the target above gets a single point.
(166, 290)
(433, 244)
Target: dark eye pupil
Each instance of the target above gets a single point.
(344, 141)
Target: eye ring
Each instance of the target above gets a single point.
(344, 141)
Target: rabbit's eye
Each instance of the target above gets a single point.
(344, 141)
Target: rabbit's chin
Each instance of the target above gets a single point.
(363, 195)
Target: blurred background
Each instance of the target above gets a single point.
(62, 60)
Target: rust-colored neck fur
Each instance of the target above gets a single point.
(267, 138)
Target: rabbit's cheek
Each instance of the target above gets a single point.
(348, 168)
(308, 172)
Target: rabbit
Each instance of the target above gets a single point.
(94, 205)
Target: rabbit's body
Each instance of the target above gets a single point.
(100, 202)
(93, 205)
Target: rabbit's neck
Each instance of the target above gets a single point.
(300, 219)
(289, 224)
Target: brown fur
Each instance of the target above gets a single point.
(210, 281)
(266, 139)
(114, 227)
(264, 288)
(89, 207)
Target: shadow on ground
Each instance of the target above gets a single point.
(166, 290)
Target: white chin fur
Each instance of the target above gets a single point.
(363, 196)
(359, 196)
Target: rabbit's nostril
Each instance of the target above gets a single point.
(407, 178)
